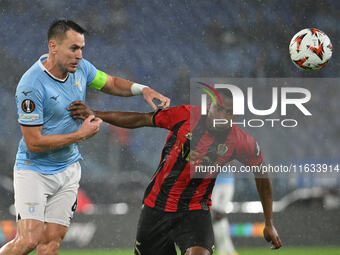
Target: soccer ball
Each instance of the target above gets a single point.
(310, 49)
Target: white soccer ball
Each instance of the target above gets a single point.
(310, 49)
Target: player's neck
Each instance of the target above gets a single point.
(51, 66)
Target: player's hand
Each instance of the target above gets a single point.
(150, 94)
(79, 110)
(90, 127)
(271, 235)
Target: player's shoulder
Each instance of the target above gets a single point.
(248, 150)
(177, 109)
(239, 132)
(184, 108)
(84, 64)
(32, 78)
(190, 109)
(85, 67)
(240, 136)
(173, 113)
(84, 61)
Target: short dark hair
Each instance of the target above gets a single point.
(58, 28)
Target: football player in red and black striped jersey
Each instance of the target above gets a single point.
(177, 200)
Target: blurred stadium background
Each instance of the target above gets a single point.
(164, 44)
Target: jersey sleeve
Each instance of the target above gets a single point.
(29, 101)
(249, 152)
(90, 71)
(170, 117)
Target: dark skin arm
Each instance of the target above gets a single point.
(264, 189)
(120, 119)
(37, 142)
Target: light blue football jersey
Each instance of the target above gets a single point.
(43, 100)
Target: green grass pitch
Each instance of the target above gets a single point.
(244, 251)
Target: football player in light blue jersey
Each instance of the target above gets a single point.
(47, 171)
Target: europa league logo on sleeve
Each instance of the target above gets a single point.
(28, 106)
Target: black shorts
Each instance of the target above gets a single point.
(158, 231)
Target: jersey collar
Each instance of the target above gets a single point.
(47, 72)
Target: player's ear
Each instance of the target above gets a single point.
(52, 46)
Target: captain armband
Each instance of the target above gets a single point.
(99, 81)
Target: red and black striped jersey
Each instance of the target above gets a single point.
(175, 186)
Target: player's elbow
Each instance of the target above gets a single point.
(139, 124)
(34, 146)
(33, 138)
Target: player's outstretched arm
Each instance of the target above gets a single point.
(36, 142)
(121, 119)
(264, 189)
(121, 87)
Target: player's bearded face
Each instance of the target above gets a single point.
(224, 113)
(69, 51)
